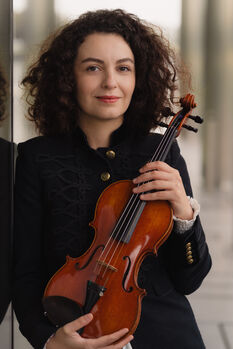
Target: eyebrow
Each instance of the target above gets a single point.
(92, 59)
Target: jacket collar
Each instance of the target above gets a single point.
(118, 136)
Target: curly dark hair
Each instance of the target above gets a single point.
(51, 86)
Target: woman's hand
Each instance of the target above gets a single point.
(166, 184)
(67, 337)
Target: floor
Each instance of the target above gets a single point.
(213, 302)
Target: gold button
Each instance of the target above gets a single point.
(110, 154)
(190, 261)
(105, 176)
(189, 253)
(188, 244)
(189, 258)
(188, 249)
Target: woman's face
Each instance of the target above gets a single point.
(105, 76)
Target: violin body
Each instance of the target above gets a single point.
(112, 264)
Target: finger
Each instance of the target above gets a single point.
(78, 323)
(152, 175)
(122, 343)
(109, 339)
(154, 185)
(156, 165)
(158, 195)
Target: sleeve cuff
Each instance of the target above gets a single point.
(181, 225)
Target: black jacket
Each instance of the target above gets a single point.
(58, 181)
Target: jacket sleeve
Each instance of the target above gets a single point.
(186, 255)
(28, 255)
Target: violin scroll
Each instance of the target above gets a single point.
(179, 119)
(188, 102)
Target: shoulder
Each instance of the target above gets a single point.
(4, 143)
(31, 144)
(44, 144)
(40, 154)
(4, 148)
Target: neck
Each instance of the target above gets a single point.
(98, 132)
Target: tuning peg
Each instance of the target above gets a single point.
(196, 118)
(190, 128)
(166, 111)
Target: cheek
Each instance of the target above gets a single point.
(130, 88)
(85, 85)
(82, 87)
(81, 96)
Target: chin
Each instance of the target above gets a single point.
(108, 116)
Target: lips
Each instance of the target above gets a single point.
(108, 99)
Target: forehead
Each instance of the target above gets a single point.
(104, 45)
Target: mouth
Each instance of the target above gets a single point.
(108, 99)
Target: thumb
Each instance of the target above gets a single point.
(77, 324)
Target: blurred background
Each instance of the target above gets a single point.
(201, 31)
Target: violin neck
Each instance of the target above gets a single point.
(132, 212)
(164, 146)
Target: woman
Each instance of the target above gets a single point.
(98, 89)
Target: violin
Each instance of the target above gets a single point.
(103, 280)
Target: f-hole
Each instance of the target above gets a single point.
(126, 274)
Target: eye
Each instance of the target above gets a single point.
(92, 68)
(124, 69)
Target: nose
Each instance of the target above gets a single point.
(109, 80)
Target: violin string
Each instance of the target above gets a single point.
(134, 203)
(119, 242)
(134, 207)
(138, 202)
(166, 139)
(155, 157)
(158, 155)
(133, 198)
(115, 234)
(116, 231)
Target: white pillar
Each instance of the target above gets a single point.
(218, 95)
(193, 56)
